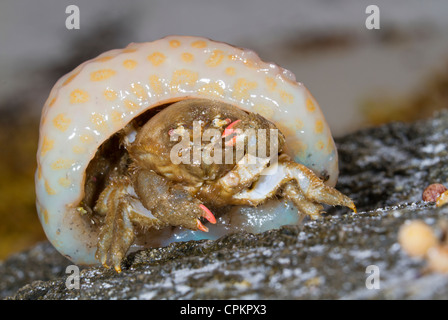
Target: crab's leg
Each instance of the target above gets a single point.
(293, 193)
(121, 209)
(247, 170)
(170, 203)
(308, 185)
(240, 178)
(116, 234)
(313, 188)
(264, 186)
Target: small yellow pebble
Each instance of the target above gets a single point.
(416, 238)
(442, 199)
(438, 259)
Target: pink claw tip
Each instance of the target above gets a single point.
(231, 142)
(229, 130)
(201, 226)
(208, 214)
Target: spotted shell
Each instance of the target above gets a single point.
(102, 95)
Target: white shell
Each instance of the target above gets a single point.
(102, 95)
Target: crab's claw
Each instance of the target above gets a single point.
(208, 215)
(229, 129)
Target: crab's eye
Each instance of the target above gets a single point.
(219, 123)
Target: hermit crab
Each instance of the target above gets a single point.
(163, 135)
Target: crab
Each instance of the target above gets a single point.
(167, 133)
(154, 191)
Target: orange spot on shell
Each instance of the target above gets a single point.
(79, 149)
(174, 43)
(129, 64)
(139, 91)
(116, 117)
(183, 77)
(199, 44)
(242, 88)
(320, 145)
(52, 102)
(250, 63)
(102, 74)
(110, 94)
(61, 164)
(61, 122)
(310, 105)
(215, 58)
(230, 71)
(78, 96)
(45, 216)
(286, 97)
(187, 57)
(212, 89)
(330, 144)
(70, 78)
(319, 126)
(131, 106)
(271, 84)
(155, 84)
(99, 121)
(48, 189)
(47, 145)
(298, 124)
(103, 59)
(157, 58)
(64, 182)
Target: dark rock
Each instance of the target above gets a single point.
(394, 163)
(42, 262)
(384, 170)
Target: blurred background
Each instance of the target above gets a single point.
(360, 77)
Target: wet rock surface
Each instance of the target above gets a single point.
(384, 170)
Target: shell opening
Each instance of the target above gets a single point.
(112, 160)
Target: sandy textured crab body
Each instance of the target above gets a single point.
(103, 95)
